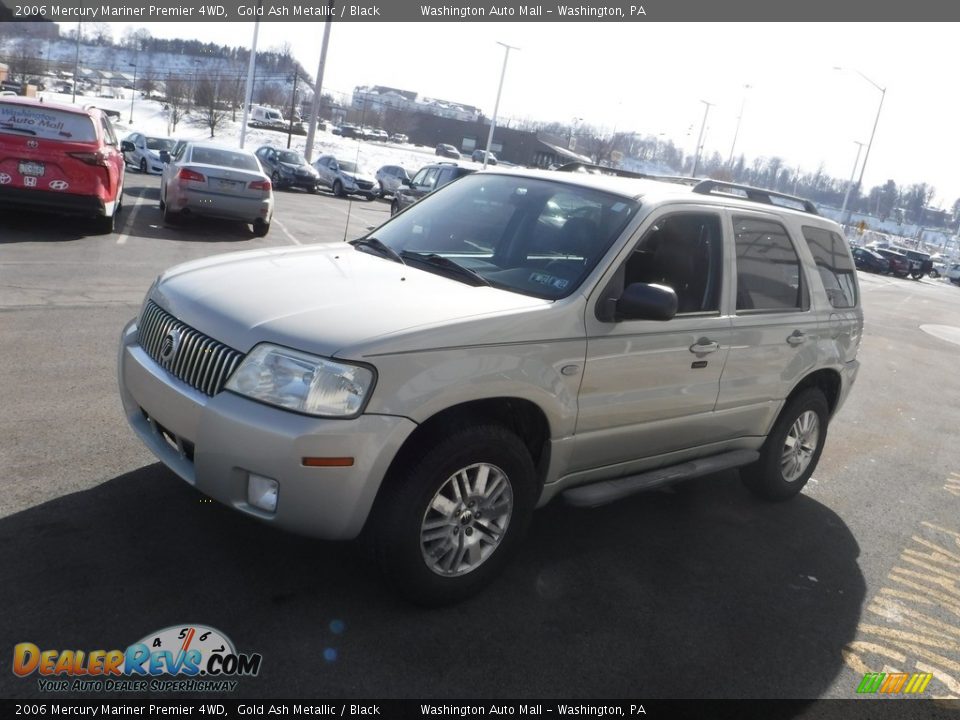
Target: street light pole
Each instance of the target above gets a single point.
(76, 65)
(496, 105)
(133, 95)
(846, 196)
(248, 94)
(703, 126)
(736, 132)
(883, 93)
(293, 105)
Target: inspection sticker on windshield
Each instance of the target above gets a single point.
(550, 280)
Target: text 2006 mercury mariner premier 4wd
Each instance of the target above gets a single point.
(511, 337)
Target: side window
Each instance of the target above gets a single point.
(429, 180)
(683, 251)
(178, 151)
(108, 136)
(419, 177)
(445, 176)
(769, 277)
(836, 269)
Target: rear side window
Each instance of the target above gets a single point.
(769, 278)
(833, 261)
(46, 123)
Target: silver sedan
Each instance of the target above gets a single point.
(216, 181)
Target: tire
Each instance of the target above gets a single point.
(275, 179)
(143, 165)
(394, 208)
(431, 541)
(169, 216)
(934, 274)
(338, 188)
(785, 465)
(917, 275)
(312, 189)
(104, 225)
(370, 197)
(260, 227)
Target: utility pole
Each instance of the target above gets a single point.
(703, 126)
(496, 106)
(318, 86)
(293, 106)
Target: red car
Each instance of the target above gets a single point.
(60, 158)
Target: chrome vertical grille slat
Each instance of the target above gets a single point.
(200, 361)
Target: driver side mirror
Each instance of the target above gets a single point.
(126, 146)
(164, 156)
(643, 301)
(406, 182)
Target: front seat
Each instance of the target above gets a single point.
(579, 236)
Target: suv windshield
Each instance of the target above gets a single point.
(347, 166)
(531, 236)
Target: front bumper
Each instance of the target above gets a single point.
(215, 443)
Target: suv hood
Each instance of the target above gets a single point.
(323, 300)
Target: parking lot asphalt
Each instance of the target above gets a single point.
(698, 590)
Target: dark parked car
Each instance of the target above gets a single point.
(477, 156)
(287, 168)
(920, 262)
(444, 150)
(870, 261)
(428, 179)
(899, 264)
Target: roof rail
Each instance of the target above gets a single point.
(768, 197)
(603, 170)
(600, 170)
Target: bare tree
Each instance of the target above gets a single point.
(24, 61)
(209, 102)
(101, 33)
(148, 80)
(135, 38)
(177, 93)
(270, 94)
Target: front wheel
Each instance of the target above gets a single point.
(792, 449)
(917, 275)
(143, 165)
(934, 274)
(338, 188)
(394, 207)
(447, 524)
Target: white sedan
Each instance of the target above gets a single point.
(216, 181)
(145, 151)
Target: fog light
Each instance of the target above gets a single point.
(262, 492)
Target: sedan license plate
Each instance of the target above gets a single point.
(228, 184)
(31, 168)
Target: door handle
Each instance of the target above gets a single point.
(704, 345)
(797, 337)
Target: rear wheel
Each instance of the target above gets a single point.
(275, 179)
(917, 275)
(260, 227)
(447, 524)
(792, 449)
(143, 165)
(169, 216)
(394, 207)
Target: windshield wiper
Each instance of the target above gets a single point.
(11, 126)
(379, 247)
(445, 263)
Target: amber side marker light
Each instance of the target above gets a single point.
(327, 461)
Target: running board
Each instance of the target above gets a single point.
(607, 491)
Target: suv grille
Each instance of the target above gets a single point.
(364, 184)
(199, 361)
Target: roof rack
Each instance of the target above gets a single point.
(768, 197)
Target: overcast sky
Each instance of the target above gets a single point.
(651, 77)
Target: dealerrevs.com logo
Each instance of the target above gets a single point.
(180, 658)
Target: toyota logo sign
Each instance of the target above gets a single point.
(32, 144)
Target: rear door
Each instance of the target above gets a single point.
(774, 330)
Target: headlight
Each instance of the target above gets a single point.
(302, 382)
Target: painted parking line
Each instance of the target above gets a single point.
(122, 239)
(286, 232)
